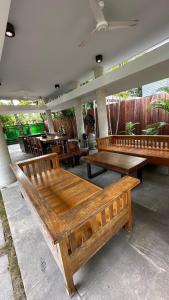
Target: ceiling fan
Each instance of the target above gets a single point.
(102, 24)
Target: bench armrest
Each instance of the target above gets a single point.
(80, 214)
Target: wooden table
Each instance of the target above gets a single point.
(50, 140)
(123, 164)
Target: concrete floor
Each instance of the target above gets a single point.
(130, 266)
(16, 154)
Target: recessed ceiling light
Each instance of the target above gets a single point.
(10, 30)
(57, 86)
(99, 58)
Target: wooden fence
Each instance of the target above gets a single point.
(137, 110)
(69, 125)
(121, 112)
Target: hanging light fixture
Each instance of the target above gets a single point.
(10, 30)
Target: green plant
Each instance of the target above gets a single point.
(153, 129)
(68, 112)
(162, 104)
(130, 128)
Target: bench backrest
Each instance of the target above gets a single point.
(37, 165)
(135, 141)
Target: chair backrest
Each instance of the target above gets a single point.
(57, 149)
(72, 146)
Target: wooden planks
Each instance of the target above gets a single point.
(138, 110)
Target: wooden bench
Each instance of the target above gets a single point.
(76, 217)
(154, 148)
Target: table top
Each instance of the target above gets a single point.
(116, 162)
(50, 139)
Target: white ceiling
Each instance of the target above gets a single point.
(4, 10)
(45, 49)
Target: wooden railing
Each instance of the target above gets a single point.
(105, 141)
(34, 166)
(135, 141)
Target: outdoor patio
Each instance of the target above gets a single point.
(84, 150)
(130, 266)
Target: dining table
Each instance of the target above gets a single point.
(50, 140)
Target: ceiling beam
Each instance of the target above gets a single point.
(20, 109)
(145, 69)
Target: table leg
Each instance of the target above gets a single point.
(89, 173)
(140, 174)
(122, 175)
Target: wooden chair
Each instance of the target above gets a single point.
(29, 145)
(73, 147)
(63, 157)
(39, 147)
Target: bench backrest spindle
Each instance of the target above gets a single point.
(135, 141)
(37, 165)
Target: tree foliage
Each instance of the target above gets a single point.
(164, 89)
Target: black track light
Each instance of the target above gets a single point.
(99, 58)
(57, 86)
(10, 30)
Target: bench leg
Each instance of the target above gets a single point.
(129, 224)
(68, 276)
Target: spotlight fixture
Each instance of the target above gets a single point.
(0, 83)
(99, 58)
(57, 86)
(10, 30)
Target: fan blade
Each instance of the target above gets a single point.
(122, 24)
(84, 42)
(97, 11)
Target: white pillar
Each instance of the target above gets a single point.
(6, 174)
(79, 119)
(50, 121)
(101, 105)
(102, 112)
